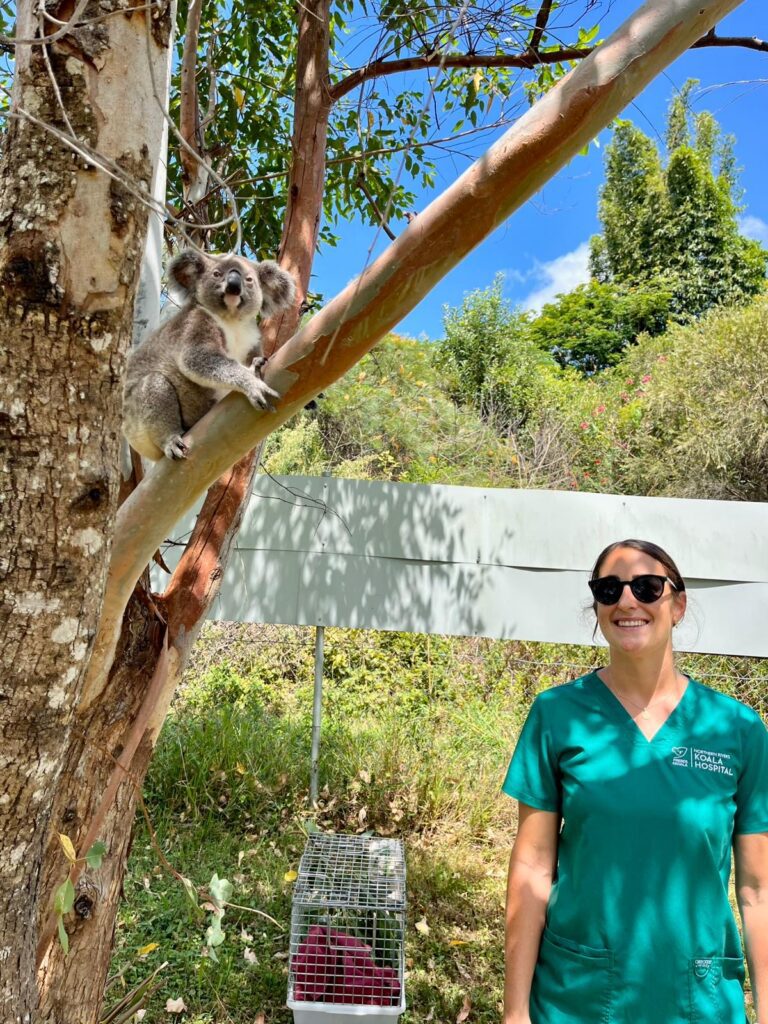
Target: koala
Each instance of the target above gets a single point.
(210, 347)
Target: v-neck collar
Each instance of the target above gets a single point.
(620, 713)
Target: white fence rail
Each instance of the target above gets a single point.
(480, 562)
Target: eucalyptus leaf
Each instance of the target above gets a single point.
(63, 937)
(95, 855)
(64, 899)
(190, 890)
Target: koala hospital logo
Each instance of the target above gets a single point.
(704, 760)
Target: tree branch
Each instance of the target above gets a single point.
(527, 60)
(361, 184)
(189, 112)
(747, 42)
(306, 181)
(541, 23)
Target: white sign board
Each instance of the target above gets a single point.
(482, 562)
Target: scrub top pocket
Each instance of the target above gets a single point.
(717, 994)
(572, 984)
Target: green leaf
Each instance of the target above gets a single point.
(95, 855)
(214, 935)
(220, 890)
(63, 937)
(587, 35)
(190, 890)
(64, 899)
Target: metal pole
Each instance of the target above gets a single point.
(314, 786)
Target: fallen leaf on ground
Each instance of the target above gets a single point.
(290, 876)
(464, 1011)
(175, 1005)
(249, 956)
(422, 927)
(149, 948)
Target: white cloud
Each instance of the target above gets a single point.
(557, 276)
(754, 227)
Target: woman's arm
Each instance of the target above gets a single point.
(531, 870)
(751, 856)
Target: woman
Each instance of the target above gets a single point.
(634, 782)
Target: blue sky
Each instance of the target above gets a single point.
(542, 249)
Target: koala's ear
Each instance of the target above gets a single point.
(185, 271)
(277, 287)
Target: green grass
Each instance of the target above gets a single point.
(228, 794)
(416, 736)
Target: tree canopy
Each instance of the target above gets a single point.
(406, 86)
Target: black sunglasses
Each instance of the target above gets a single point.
(646, 588)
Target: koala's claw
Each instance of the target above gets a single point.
(176, 448)
(261, 395)
(258, 363)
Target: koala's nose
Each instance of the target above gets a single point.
(234, 283)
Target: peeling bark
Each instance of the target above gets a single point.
(72, 987)
(306, 180)
(70, 243)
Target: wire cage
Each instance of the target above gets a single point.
(347, 942)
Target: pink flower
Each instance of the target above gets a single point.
(645, 378)
(584, 425)
(599, 409)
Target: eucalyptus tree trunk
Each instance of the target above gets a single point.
(126, 718)
(71, 240)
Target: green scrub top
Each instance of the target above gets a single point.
(639, 929)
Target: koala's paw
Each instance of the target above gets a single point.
(175, 448)
(258, 363)
(260, 395)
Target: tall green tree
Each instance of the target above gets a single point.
(675, 222)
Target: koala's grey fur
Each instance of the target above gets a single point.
(210, 347)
